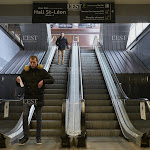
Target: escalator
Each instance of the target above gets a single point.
(132, 107)
(11, 126)
(100, 116)
(15, 111)
(53, 98)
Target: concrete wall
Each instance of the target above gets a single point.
(34, 36)
(115, 36)
(8, 49)
(142, 50)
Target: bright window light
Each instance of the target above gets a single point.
(135, 30)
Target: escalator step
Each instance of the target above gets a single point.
(55, 86)
(54, 96)
(53, 102)
(109, 124)
(99, 109)
(51, 116)
(95, 82)
(47, 124)
(54, 91)
(100, 116)
(46, 132)
(56, 109)
(98, 102)
(102, 132)
(96, 96)
(95, 91)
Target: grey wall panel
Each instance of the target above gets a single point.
(115, 36)
(8, 49)
(142, 50)
(34, 36)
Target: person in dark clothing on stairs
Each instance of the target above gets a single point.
(34, 78)
(61, 42)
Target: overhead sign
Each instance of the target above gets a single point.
(97, 13)
(58, 12)
(49, 13)
(84, 25)
(63, 25)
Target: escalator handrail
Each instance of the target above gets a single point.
(83, 126)
(123, 94)
(115, 78)
(127, 128)
(17, 131)
(73, 116)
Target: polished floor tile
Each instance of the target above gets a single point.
(100, 143)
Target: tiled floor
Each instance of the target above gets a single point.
(102, 143)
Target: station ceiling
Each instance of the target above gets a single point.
(75, 1)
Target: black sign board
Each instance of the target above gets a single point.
(49, 13)
(97, 13)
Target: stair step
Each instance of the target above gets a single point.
(98, 102)
(46, 132)
(96, 96)
(102, 86)
(60, 81)
(54, 91)
(59, 66)
(51, 116)
(57, 71)
(54, 96)
(85, 74)
(90, 68)
(53, 102)
(55, 86)
(47, 124)
(56, 109)
(100, 116)
(59, 77)
(111, 124)
(59, 74)
(102, 132)
(91, 71)
(95, 91)
(95, 82)
(99, 109)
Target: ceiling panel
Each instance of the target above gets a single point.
(73, 1)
